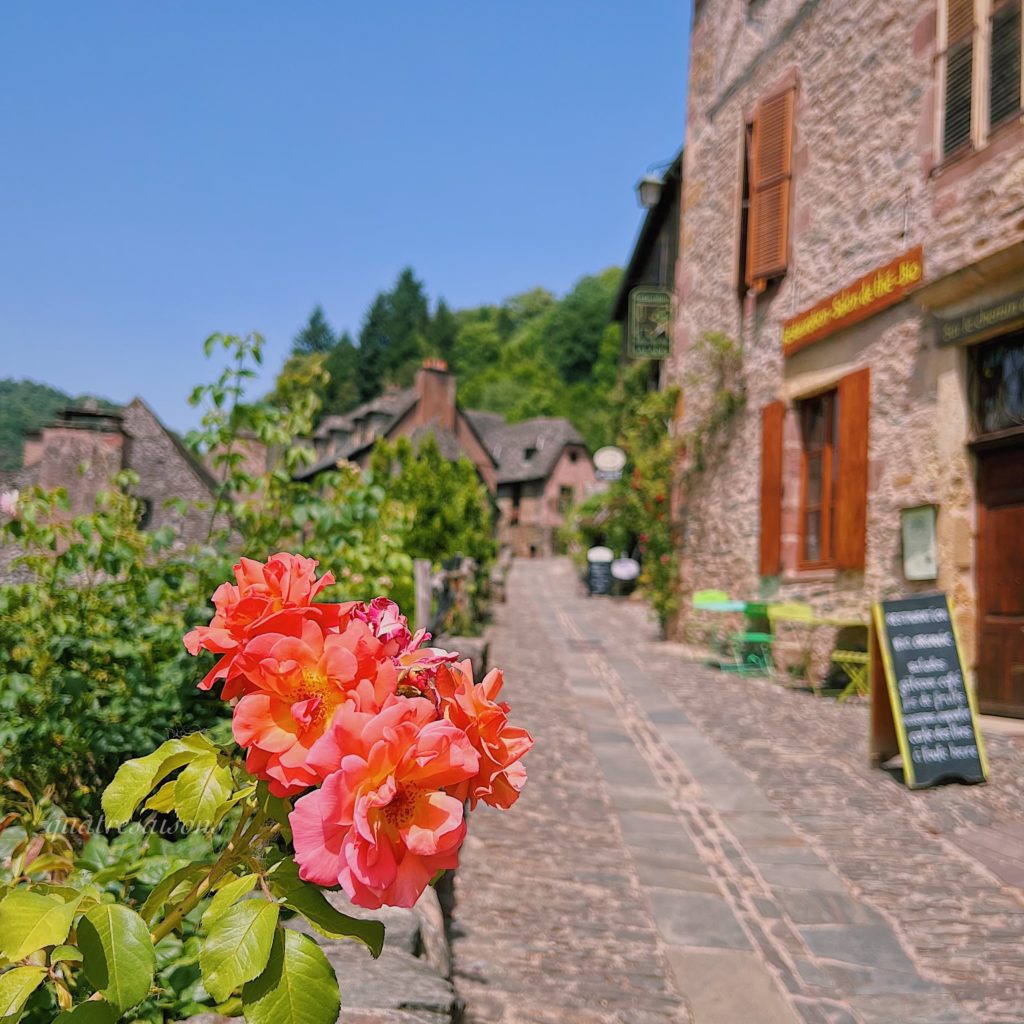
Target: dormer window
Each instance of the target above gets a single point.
(528, 453)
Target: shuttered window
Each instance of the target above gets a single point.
(770, 177)
(979, 70)
(772, 419)
(834, 475)
(1004, 72)
(959, 63)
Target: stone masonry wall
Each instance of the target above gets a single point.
(865, 189)
(165, 472)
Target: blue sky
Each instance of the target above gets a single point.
(169, 170)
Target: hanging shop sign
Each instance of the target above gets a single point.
(979, 322)
(921, 706)
(648, 326)
(868, 295)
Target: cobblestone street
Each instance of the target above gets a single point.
(696, 847)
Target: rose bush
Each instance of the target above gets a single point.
(382, 743)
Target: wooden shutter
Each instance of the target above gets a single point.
(772, 418)
(1004, 70)
(959, 74)
(852, 483)
(771, 174)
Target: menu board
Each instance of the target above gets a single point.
(931, 707)
(599, 577)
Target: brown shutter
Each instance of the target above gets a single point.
(771, 173)
(959, 20)
(772, 417)
(956, 131)
(852, 491)
(1004, 76)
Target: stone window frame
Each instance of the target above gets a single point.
(981, 131)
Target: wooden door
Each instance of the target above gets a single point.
(1000, 581)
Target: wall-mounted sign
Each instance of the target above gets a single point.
(921, 706)
(609, 463)
(866, 296)
(978, 322)
(920, 551)
(649, 324)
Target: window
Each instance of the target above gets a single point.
(145, 513)
(766, 190)
(565, 497)
(819, 473)
(979, 70)
(998, 384)
(826, 474)
(528, 453)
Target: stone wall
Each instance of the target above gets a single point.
(866, 188)
(166, 471)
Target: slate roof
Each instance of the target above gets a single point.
(544, 438)
(393, 404)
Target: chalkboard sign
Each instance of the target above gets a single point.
(931, 711)
(599, 577)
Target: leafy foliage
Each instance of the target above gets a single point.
(451, 512)
(634, 514)
(90, 652)
(533, 355)
(146, 929)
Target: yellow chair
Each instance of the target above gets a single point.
(799, 613)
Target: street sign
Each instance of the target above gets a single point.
(649, 324)
(921, 706)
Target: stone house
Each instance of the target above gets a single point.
(853, 218)
(534, 470)
(428, 407)
(83, 448)
(544, 468)
(655, 253)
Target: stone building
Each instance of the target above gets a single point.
(534, 470)
(655, 253)
(544, 468)
(428, 407)
(853, 218)
(83, 448)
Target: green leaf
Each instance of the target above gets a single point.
(310, 902)
(237, 947)
(201, 788)
(67, 954)
(118, 954)
(135, 779)
(163, 799)
(235, 798)
(297, 987)
(16, 985)
(164, 889)
(30, 921)
(227, 895)
(92, 1012)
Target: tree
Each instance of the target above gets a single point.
(442, 331)
(394, 336)
(573, 329)
(315, 336)
(342, 364)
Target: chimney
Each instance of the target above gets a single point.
(435, 389)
